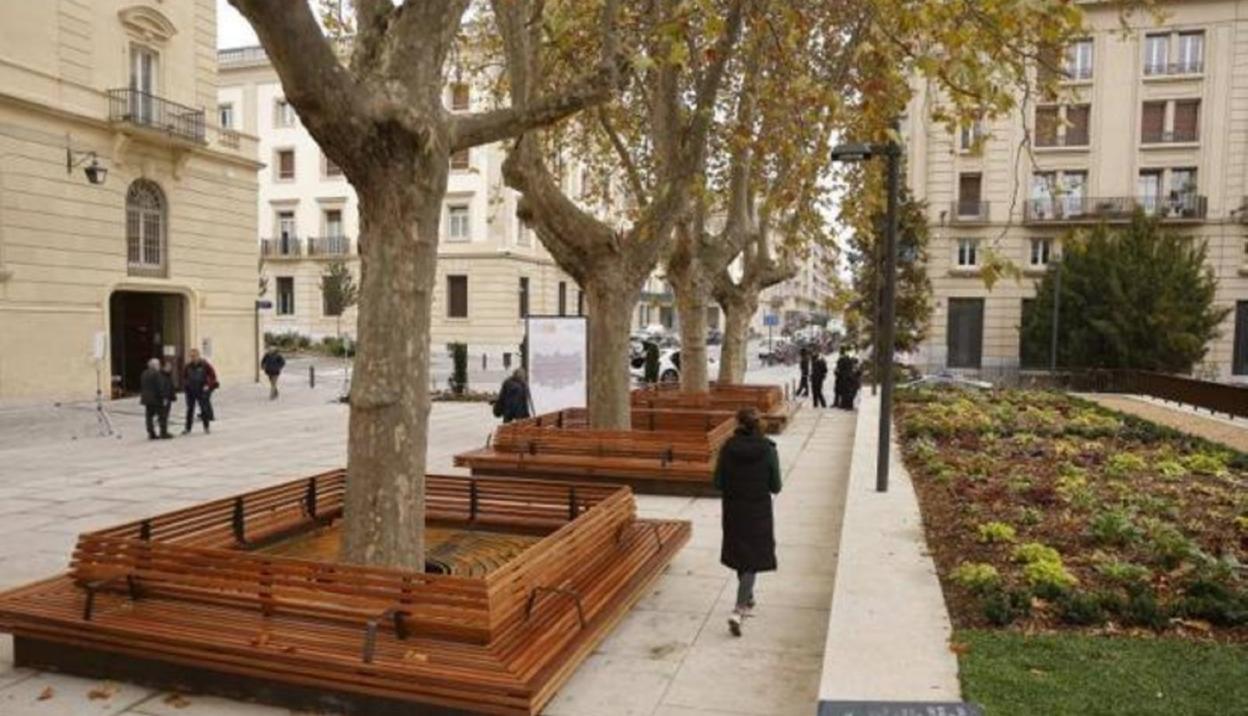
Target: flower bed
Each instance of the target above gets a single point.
(1047, 512)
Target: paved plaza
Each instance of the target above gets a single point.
(671, 656)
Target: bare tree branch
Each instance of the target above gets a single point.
(626, 159)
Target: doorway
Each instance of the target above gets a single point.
(143, 326)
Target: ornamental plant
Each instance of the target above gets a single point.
(978, 577)
(996, 533)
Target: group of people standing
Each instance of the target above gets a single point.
(814, 373)
(158, 394)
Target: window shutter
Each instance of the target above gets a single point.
(1046, 126)
(1187, 120)
(1077, 121)
(1154, 122)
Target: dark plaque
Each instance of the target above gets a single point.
(896, 708)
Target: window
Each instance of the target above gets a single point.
(971, 134)
(460, 97)
(283, 114)
(563, 298)
(1191, 56)
(1041, 253)
(969, 203)
(145, 228)
(332, 170)
(712, 317)
(460, 161)
(968, 253)
(1157, 54)
(1057, 194)
(285, 295)
(333, 223)
(1148, 189)
(1239, 362)
(286, 225)
(225, 114)
(1078, 120)
(286, 165)
(457, 223)
(1078, 61)
(456, 296)
(580, 303)
(1066, 126)
(524, 296)
(1153, 122)
(144, 83)
(1048, 119)
(965, 333)
(1186, 120)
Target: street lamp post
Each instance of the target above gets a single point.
(891, 152)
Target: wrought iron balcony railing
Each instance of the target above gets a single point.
(1169, 69)
(1188, 207)
(144, 109)
(281, 247)
(1176, 137)
(970, 211)
(1069, 139)
(329, 246)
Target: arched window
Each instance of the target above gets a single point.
(145, 228)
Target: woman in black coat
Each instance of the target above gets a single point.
(748, 474)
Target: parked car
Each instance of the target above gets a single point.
(669, 366)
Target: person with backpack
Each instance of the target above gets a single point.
(272, 364)
(747, 474)
(199, 380)
(514, 401)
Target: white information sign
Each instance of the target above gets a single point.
(558, 362)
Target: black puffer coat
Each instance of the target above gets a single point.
(748, 473)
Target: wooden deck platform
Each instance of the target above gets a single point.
(191, 598)
(667, 451)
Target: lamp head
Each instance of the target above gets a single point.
(96, 174)
(852, 152)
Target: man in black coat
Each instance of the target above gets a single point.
(846, 380)
(272, 364)
(152, 394)
(513, 402)
(748, 474)
(199, 380)
(818, 374)
(803, 365)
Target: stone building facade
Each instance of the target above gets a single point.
(1155, 117)
(127, 217)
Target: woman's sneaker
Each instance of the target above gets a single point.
(734, 623)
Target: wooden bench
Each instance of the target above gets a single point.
(666, 451)
(181, 594)
(773, 408)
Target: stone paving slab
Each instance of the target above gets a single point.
(671, 656)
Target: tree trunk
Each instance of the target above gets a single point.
(610, 303)
(691, 304)
(734, 355)
(385, 501)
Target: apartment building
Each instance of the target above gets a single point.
(492, 272)
(1153, 118)
(127, 217)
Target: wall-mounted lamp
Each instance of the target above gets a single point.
(96, 174)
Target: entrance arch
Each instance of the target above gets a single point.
(144, 324)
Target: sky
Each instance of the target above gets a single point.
(232, 29)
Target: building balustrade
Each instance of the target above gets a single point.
(143, 109)
(1188, 207)
(281, 247)
(970, 211)
(326, 246)
(1164, 69)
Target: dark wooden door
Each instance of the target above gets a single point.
(965, 335)
(1240, 360)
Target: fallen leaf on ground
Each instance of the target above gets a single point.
(103, 691)
(176, 700)
(959, 648)
(45, 694)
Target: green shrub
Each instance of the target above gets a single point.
(1215, 602)
(1142, 609)
(1092, 423)
(1114, 527)
(1171, 469)
(1204, 463)
(1241, 524)
(459, 373)
(1033, 552)
(996, 533)
(1125, 464)
(1168, 546)
(1049, 579)
(1003, 607)
(977, 576)
(1125, 574)
(1082, 609)
(1030, 516)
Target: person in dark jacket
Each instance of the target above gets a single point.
(168, 391)
(513, 402)
(152, 395)
(818, 374)
(748, 474)
(199, 381)
(272, 364)
(803, 365)
(846, 385)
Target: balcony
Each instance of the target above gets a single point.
(148, 111)
(969, 211)
(1190, 136)
(1174, 69)
(1181, 208)
(1069, 140)
(285, 247)
(329, 246)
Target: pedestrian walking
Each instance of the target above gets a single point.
(846, 380)
(272, 364)
(199, 381)
(818, 374)
(748, 474)
(803, 365)
(152, 396)
(168, 391)
(514, 401)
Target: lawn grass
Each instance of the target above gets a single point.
(1011, 674)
